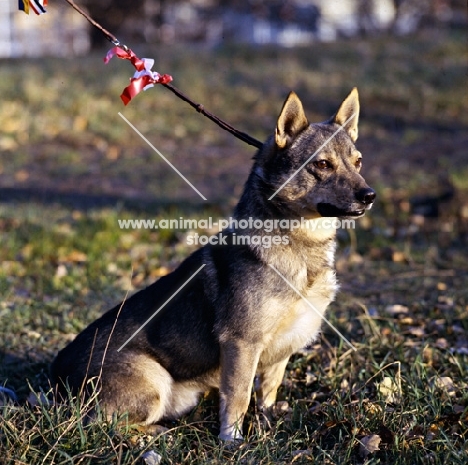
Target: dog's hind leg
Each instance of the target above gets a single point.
(139, 386)
(268, 381)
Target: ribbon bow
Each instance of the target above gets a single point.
(143, 78)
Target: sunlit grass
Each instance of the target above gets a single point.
(403, 301)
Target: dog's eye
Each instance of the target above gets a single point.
(322, 164)
(358, 164)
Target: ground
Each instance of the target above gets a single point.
(71, 168)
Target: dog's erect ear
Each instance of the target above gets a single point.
(348, 114)
(291, 121)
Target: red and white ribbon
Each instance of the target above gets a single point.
(143, 78)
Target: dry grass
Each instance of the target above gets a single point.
(404, 299)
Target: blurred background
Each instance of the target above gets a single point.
(211, 22)
(64, 145)
(70, 168)
(66, 154)
(59, 126)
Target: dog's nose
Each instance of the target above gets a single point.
(366, 195)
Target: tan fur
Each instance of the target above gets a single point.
(292, 120)
(349, 107)
(250, 307)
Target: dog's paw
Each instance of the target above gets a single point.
(230, 434)
(231, 443)
(267, 417)
(273, 412)
(229, 438)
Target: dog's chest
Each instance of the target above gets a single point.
(298, 324)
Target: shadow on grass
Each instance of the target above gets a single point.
(81, 201)
(16, 371)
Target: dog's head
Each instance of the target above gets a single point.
(312, 170)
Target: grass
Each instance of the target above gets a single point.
(404, 299)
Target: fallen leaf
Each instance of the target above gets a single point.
(151, 458)
(282, 406)
(441, 286)
(21, 175)
(80, 123)
(373, 409)
(416, 331)
(432, 433)
(459, 351)
(113, 152)
(32, 334)
(396, 309)
(158, 272)
(7, 143)
(441, 343)
(344, 386)
(299, 454)
(310, 378)
(74, 256)
(134, 440)
(369, 444)
(390, 389)
(61, 271)
(399, 256)
(445, 384)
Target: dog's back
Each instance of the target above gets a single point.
(250, 306)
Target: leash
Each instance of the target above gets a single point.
(164, 80)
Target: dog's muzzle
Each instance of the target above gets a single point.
(366, 196)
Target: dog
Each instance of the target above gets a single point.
(240, 313)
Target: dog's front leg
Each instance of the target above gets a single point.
(239, 361)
